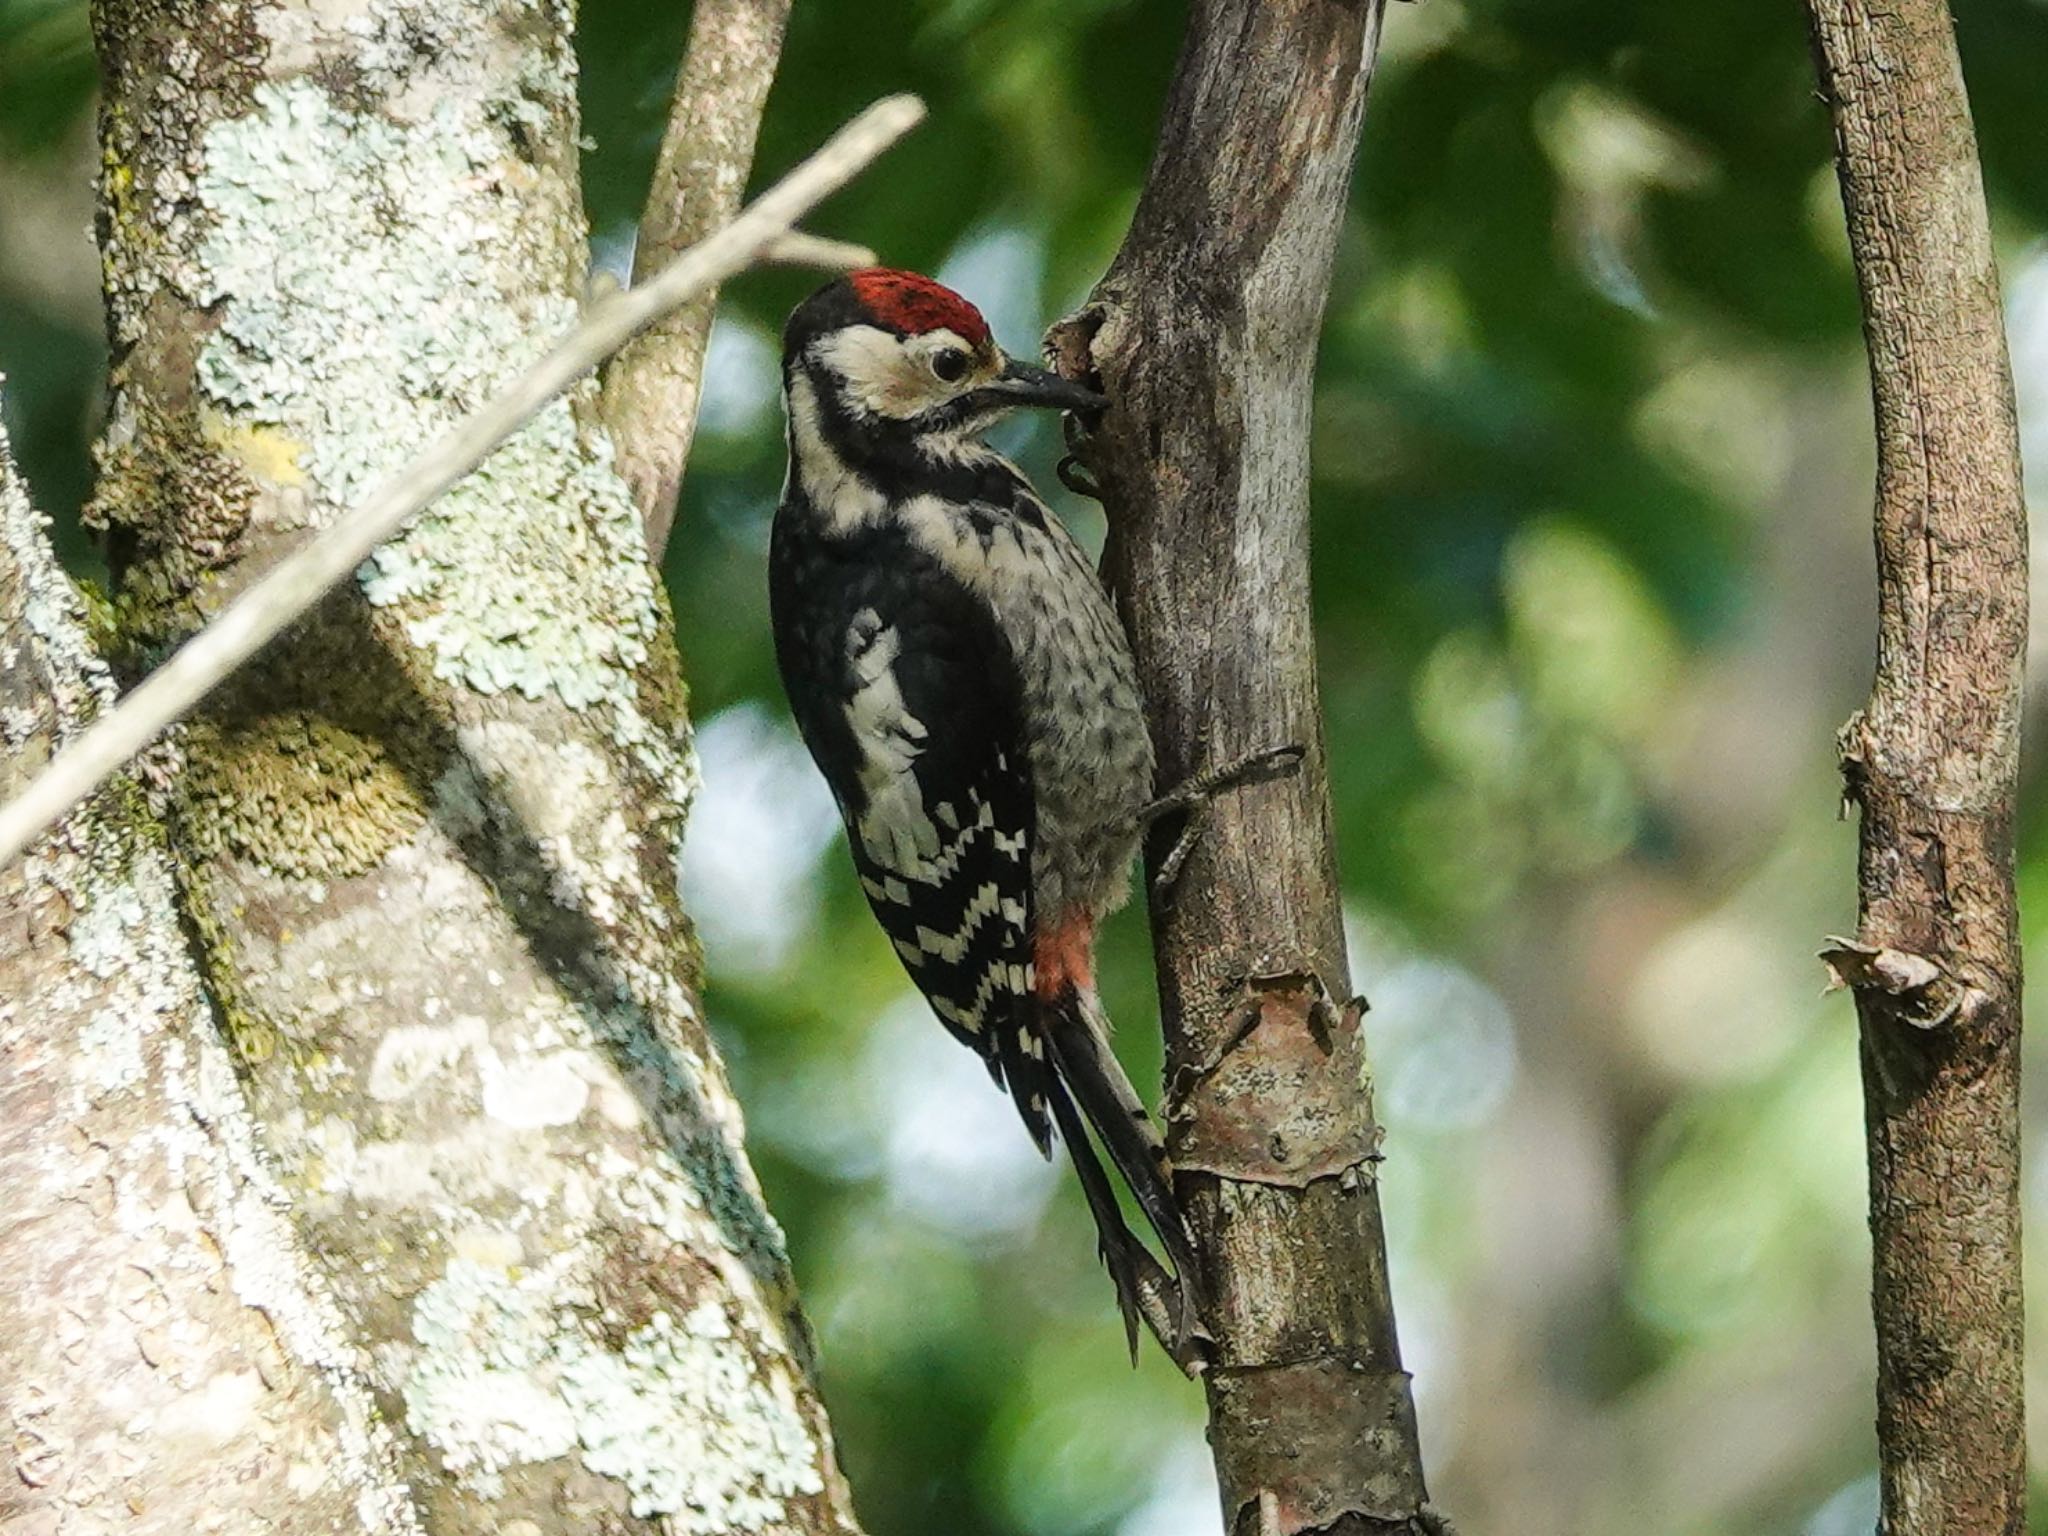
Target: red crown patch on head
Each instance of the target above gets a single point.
(915, 304)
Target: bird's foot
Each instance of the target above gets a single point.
(1194, 795)
(1072, 469)
(1168, 1306)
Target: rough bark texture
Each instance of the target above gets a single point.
(428, 842)
(168, 1359)
(1204, 332)
(652, 389)
(1932, 761)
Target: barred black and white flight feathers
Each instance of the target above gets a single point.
(907, 695)
(907, 698)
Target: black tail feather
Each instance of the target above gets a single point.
(1113, 1237)
(1082, 1063)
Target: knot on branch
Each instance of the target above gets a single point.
(1909, 987)
(1281, 1100)
(1069, 344)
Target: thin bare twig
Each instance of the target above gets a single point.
(652, 388)
(299, 581)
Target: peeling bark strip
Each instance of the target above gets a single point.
(1204, 333)
(168, 1361)
(1932, 760)
(427, 841)
(651, 390)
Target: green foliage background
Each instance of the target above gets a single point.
(1591, 500)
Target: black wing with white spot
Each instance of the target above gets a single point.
(907, 696)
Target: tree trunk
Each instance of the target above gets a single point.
(169, 1362)
(1204, 332)
(427, 843)
(1932, 761)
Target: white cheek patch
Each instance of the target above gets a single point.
(885, 375)
(829, 481)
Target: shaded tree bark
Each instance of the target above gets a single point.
(426, 845)
(1204, 332)
(1932, 761)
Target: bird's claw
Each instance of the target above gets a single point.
(1164, 878)
(1072, 469)
(1195, 795)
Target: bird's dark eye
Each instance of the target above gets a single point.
(950, 365)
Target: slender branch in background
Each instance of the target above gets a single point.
(652, 388)
(1204, 334)
(1933, 762)
(297, 582)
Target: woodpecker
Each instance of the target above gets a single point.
(958, 673)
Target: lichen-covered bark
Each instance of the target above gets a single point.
(169, 1361)
(1204, 334)
(1933, 762)
(428, 841)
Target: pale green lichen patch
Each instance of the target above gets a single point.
(506, 1373)
(568, 800)
(363, 334)
(680, 1417)
(482, 1389)
(102, 936)
(111, 1048)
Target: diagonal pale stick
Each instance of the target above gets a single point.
(797, 249)
(304, 576)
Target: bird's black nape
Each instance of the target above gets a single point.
(833, 307)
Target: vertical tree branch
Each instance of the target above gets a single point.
(1932, 760)
(1204, 333)
(651, 390)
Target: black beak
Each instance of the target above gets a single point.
(1022, 384)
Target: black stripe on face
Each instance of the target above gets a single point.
(914, 457)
